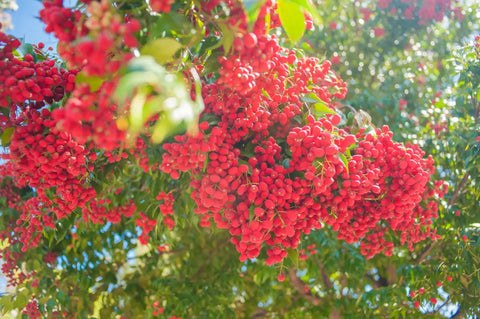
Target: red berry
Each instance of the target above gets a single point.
(250, 40)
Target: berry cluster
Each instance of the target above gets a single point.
(426, 10)
(54, 164)
(90, 41)
(146, 225)
(90, 116)
(161, 5)
(94, 41)
(166, 208)
(24, 79)
(268, 171)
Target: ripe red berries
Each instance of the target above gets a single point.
(250, 40)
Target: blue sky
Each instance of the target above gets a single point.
(27, 25)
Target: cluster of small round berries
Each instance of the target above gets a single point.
(270, 172)
(31, 310)
(146, 225)
(95, 41)
(426, 10)
(166, 208)
(24, 79)
(161, 5)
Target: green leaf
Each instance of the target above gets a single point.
(321, 108)
(310, 8)
(293, 255)
(292, 18)
(21, 300)
(93, 81)
(344, 160)
(6, 136)
(50, 304)
(252, 213)
(162, 50)
(227, 37)
(27, 48)
(161, 129)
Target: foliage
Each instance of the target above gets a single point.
(205, 159)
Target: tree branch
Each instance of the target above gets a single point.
(456, 194)
(451, 202)
(459, 314)
(260, 313)
(299, 286)
(425, 252)
(325, 276)
(381, 282)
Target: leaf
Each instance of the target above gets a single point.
(344, 160)
(293, 255)
(93, 81)
(251, 213)
(27, 48)
(50, 304)
(162, 50)
(169, 22)
(310, 8)
(321, 108)
(136, 112)
(161, 129)
(292, 18)
(227, 38)
(6, 136)
(21, 300)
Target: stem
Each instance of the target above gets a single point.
(456, 194)
(299, 286)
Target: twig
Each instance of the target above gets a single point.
(325, 277)
(455, 195)
(451, 202)
(299, 286)
(427, 250)
(446, 302)
(351, 108)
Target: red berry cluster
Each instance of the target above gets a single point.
(269, 172)
(31, 310)
(10, 269)
(90, 41)
(96, 43)
(23, 79)
(146, 225)
(98, 212)
(161, 5)
(426, 10)
(166, 208)
(187, 154)
(42, 156)
(90, 116)
(54, 164)
(157, 309)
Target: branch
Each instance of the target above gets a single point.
(476, 107)
(456, 194)
(452, 201)
(351, 108)
(299, 286)
(446, 302)
(325, 276)
(459, 314)
(425, 253)
(260, 313)
(381, 282)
